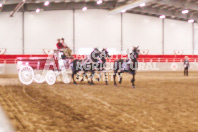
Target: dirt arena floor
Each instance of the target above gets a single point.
(161, 102)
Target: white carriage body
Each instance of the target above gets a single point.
(40, 69)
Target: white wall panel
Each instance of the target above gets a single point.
(11, 33)
(178, 36)
(43, 29)
(95, 28)
(144, 31)
(196, 39)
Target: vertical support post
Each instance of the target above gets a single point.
(121, 46)
(162, 36)
(23, 34)
(193, 38)
(74, 48)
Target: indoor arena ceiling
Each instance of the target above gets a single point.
(170, 8)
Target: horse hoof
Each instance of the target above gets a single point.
(133, 86)
(107, 84)
(75, 83)
(98, 79)
(115, 85)
(120, 82)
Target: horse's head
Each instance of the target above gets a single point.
(104, 53)
(135, 53)
(96, 49)
(136, 49)
(96, 52)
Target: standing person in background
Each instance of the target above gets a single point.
(186, 65)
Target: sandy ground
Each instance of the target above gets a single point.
(161, 102)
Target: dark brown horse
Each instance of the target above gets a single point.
(97, 62)
(129, 65)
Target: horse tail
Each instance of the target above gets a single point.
(74, 64)
(116, 66)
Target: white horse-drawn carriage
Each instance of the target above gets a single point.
(41, 69)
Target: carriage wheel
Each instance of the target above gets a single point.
(66, 78)
(26, 75)
(50, 78)
(38, 78)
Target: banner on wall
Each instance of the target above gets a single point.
(174, 66)
(2, 51)
(178, 52)
(48, 51)
(144, 51)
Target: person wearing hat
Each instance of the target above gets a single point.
(186, 65)
(59, 45)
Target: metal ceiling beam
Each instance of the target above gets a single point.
(18, 7)
(10, 2)
(62, 6)
(128, 6)
(179, 4)
(168, 13)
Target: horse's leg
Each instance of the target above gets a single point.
(92, 75)
(85, 74)
(120, 77)
(106, 78)
(114, 77)
(133, 80)
(98, 79)
(73, 74)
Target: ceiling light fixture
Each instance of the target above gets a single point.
(162, 17)
(38, 10)
(185, 11)
(99, 2)
(143, 4)
(123, 11)
(84, 8)
(1, 5)
(46, 3)
(191, 21)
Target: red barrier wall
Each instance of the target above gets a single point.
(12, 59)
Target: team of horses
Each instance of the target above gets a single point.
(97, 62)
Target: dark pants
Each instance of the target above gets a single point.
(186, 71)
